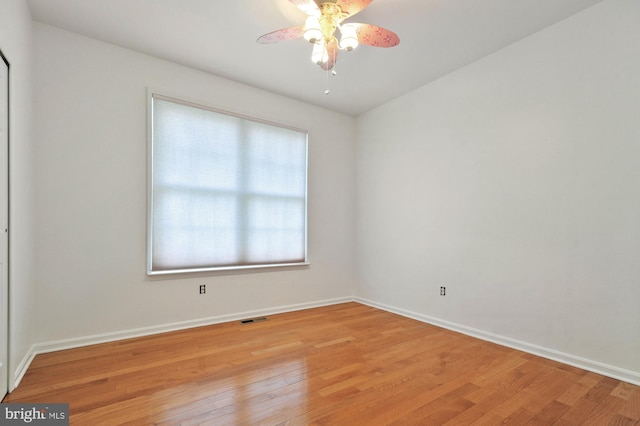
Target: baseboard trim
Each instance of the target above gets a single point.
(182, 325)
(22, 368)
(632, 377)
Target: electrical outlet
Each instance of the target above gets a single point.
(203, 288)
(443, 291)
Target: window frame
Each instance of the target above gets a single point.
(154, 94)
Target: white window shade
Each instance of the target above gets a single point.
(225, 191)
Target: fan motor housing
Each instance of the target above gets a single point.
(331, 16)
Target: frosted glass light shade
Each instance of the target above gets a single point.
(319, 55)
(349, 38)
(312, 30)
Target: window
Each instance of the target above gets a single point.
(225, 191)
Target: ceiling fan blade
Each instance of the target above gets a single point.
(290, 33)
(353, 6)
(307, 6)
(376, 36)
(332, 52)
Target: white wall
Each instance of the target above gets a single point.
(91, 196)
(514, 182)
(17, 45)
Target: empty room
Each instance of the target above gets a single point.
(320, 212)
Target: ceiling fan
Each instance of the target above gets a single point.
(323, 20)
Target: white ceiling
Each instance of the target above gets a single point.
(436, 38)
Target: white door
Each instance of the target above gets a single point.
(4, 224)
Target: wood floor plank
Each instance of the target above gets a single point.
(631, 409)
(346, 364)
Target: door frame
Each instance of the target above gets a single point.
(4, 204)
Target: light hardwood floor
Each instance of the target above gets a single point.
(346, 364)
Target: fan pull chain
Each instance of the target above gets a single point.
(326, 84)
(333, 73)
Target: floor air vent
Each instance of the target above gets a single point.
(252, 320)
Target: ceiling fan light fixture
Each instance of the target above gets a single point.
(319, 54)
(323, 25)
(312, 30)
(348, 37)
